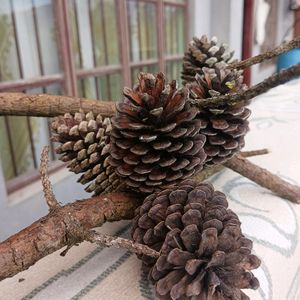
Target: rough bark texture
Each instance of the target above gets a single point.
(118, 242)
(258, 89)
(295, 43)
(47, 187)
(210, 171)
(264, 178)
(56, 230)
(43, 105)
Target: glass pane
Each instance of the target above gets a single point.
(27, 39)
(20, 128)
(110, 87)
(22, 139)
(142, 30)
(105, 87)
(177, 1)
(174, 30)
(94, 33)
(147, 69)
(174, 71)
(5, 151)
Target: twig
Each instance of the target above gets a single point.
(254, 152)
(264, 178)
(284, 47)
(43, 105)
(118, 242)
(47, 188)
(210, 171)
(231, 99)
(58, 229)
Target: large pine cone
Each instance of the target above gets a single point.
(225, 126)
(84, 143)
(203, 53)
(155, 139)
(204, 254)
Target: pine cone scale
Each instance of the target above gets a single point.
(203, 252)
(159, 137)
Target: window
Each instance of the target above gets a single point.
(88, 48)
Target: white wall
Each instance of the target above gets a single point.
(223, 19)
(285, 20)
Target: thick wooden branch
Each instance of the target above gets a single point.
(258, 89)
(43, 105)
(284, 47)
(71, 224)
(264, 178)
(212, 170)
(56, 230)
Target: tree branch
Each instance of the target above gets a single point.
(118, 242)
(43, 105)
(284, 47)
(71, 224)
(258, 89)
(47, 187)
(210, 171)
(58, 229)
(264, 178)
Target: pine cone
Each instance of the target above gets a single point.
(204, 254)
(203, 53)
(155, 139)
(84, 143)
(225, 126)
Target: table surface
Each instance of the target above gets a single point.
(92, 272)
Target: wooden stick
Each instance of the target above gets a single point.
(210, 171)
(62, 227)
(118, 242)
(284, 47)
(254, 152)
(47, 187)
(43, 105)
(264, 178)
(232, 99)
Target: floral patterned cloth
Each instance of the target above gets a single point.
(91, 272)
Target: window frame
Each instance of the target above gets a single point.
(69, 76)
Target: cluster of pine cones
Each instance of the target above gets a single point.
(154, 143)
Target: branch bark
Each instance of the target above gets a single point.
(58, 229)
(264, 178)
(210, 171)
(258, 89)
(71, 224)
(118, 242)
(47, 187)
(284, 47)
(43, 105)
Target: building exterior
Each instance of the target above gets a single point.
(91, 49)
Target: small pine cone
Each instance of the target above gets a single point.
(155, 141)
(224, 127)
(203, 253)
(84, 144)
(203, 53)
